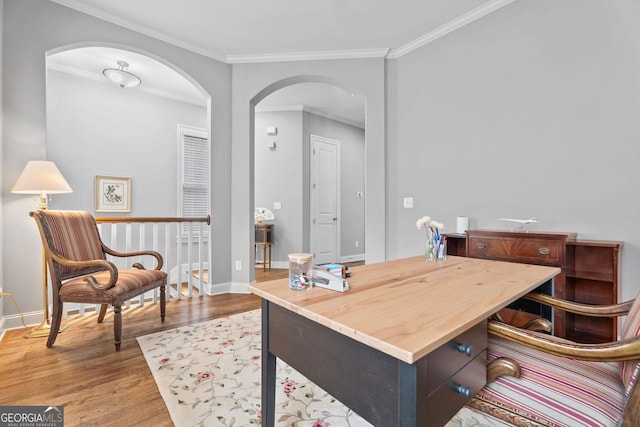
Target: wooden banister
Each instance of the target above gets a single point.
(206, 219)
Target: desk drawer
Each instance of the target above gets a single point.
(448, 399)
(454, 355)
(516, 249)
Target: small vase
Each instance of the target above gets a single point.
(430, 251)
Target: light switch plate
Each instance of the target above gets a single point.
(408, 202)
(277, 205)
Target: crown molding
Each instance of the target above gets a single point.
(130, 25)
(308, 56)
(449, 27)
(387, 53)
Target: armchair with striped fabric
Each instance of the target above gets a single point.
(561, 382)
(81, 273)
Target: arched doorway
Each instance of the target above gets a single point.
(301, 182)
(96, 128)
(289, 180)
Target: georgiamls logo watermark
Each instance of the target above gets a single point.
(31, 416)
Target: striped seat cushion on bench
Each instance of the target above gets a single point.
(553, 391)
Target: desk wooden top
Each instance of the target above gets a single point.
(409, 307)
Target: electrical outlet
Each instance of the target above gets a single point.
(238, 264)
(357, 244)
(408, 202)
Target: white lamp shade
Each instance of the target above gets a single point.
(41, 177)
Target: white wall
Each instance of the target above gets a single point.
(279, 177)
(1, 161)
(33, 28)
(533, 110)
(97, 128)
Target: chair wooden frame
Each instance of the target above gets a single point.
(99, 274)
(617, 351)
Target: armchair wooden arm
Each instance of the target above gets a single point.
(612, 310)
(156, 255)
(626, 349)
(95, 264)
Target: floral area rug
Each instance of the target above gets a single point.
(209, 375)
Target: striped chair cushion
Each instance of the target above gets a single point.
(75, 236)
(630, 369)
(552, 391)
(128, 281)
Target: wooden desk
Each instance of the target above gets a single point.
(390, 347)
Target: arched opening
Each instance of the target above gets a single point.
(95, 127)
(290, 118)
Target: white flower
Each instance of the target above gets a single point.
(422, 222)
(437, 225)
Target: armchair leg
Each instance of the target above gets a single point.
(117, 325)
(56, 319)
(502, 366)
(103, 312)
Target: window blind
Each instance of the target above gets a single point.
(195, 177)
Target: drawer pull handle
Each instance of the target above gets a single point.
(466, 349)
(480, 245)
(544, 251)
(465, 391)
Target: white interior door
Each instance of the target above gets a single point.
(325, 197)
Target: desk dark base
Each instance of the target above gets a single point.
(380, 388)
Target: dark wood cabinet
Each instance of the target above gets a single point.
(590, 274)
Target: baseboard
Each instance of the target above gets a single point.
(14, 321)
(351, 258)
(276, 264)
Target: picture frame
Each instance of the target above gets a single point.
(113, 193)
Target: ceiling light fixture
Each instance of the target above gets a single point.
(121, 76)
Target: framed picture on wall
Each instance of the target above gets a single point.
(113, 194)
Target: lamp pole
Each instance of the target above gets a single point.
(43, 178)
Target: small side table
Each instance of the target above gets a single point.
(264, 237)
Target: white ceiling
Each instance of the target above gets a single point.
(235, 31)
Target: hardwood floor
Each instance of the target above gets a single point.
(83, 372)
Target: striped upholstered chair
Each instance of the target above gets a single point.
(563, 383)
(80, 272)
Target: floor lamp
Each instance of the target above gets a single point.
(43, 178)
